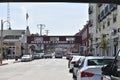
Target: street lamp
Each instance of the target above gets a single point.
(2, 22)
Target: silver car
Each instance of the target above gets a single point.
(26, 58)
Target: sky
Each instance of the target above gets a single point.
(58, 18)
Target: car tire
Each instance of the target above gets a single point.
(70, 70)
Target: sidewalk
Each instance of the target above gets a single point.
(9, 61)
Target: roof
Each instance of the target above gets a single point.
(12, 32)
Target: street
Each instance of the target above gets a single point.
(42, 69)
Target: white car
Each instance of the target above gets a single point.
(90, 68)
(26, 58)
(75, 58)
(78, 63)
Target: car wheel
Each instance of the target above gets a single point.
(70, 70)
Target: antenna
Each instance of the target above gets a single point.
(8, 16)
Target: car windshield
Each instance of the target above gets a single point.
(92, 62)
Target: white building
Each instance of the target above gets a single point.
(106, 24)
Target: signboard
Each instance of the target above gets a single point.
(53, 39)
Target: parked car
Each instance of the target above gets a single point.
(10, 56)
(58, 55)
(48, 55)
(90, 67)
(78, 62)
(112, 70)
(71, 56)
(37, 56)
(41, 54)
(73, 61)
(26, 58)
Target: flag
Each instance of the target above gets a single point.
(27, 16)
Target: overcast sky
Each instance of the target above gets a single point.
(59, 18)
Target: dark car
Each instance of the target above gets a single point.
(10, 56)
(37, 56)
(58, 55)
(48, 55)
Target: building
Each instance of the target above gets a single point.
(15, 40)
(84, 34)
(105, 25)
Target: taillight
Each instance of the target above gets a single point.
(86, 74)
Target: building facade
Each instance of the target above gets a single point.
(84, 34)
(15, 41)
(105, 26)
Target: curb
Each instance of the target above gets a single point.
(16, 61)
(3, 64)
(6, 63)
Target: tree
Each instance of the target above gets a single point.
(103, 45)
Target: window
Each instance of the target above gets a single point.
(103, 26)
(96, 31)
(106, 10)
(12, 37)
(99, 61)
(108, 23)
(99, 29)
(99, 4)
(90, 9)
(114, 19)
(102, 14)
(99, 19)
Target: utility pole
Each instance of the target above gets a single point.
(41, 27)
(1, 51)
(47, 31)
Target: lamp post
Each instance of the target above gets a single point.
(1, 53)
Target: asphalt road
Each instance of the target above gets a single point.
(43, 69)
